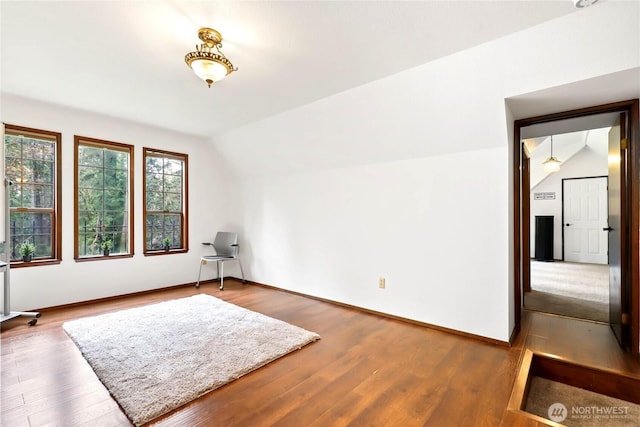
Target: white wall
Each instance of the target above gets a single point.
(213, 206)
(586, 163)
(409, 177)
(400, 220)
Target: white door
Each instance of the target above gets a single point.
(585, 220)
(616, 191)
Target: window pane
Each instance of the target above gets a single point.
(12, 146)
(153, 239)
(115, 229)
(115, 200)
(89, 156)
(13, 168)
(43, 246)
(172, 202)
(173, 183)
(38, 171)
(48, 152)
(36, 196)
(103, 203)
(89, 243)
(155, 201)
(115, 159)
(154, 182)
(15, 195)
(172, 167)
(89, 177)
(115, 179)
(154, 165)
(27, 171)
(90, 200)
(94, 229)
(37, 149)
(35, 228)
(30, 164)
(161, 226)
(164, 182)
(88, 219)
(173, 229)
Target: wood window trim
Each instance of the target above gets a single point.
(148, 152)
(56, 222)
(100, 143)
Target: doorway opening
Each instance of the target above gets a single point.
(622, 229)
(568, 211)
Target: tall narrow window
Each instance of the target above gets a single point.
(32, 164)
(165, 195)
(104, 199)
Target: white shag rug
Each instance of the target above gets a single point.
(155, 358)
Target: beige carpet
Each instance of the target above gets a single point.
(580, 408)
(569, 289)
(155, 358)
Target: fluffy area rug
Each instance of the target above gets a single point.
(155, 358)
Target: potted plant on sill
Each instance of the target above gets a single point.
(27, 249)
(166, 243)
(106, 247)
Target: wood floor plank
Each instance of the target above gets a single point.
(365, 370)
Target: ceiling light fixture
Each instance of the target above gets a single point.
(207, 61)
(551, 164)
(583, 3)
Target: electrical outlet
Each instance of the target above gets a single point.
(381, 283)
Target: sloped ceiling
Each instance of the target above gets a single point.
(565, 148)
(125, 58)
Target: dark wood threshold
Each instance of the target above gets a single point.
(561, 316)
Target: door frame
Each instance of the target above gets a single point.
(562, 205)
(631, 253)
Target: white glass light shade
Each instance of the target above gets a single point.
(207, 61)
(209, 71)
(551, 165)
(584, 3)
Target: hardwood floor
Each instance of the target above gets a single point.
(366, 370)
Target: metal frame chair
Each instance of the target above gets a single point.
(227, 249)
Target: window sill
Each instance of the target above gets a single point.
(102, 257)
(163, 252)
(34, 263)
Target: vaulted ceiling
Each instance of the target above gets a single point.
(126, 58)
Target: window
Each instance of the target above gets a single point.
(165, 195)
(103, 198)
(32, 164)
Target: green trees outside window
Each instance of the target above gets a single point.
(165, 182)
(104, 203)
(32, 164)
